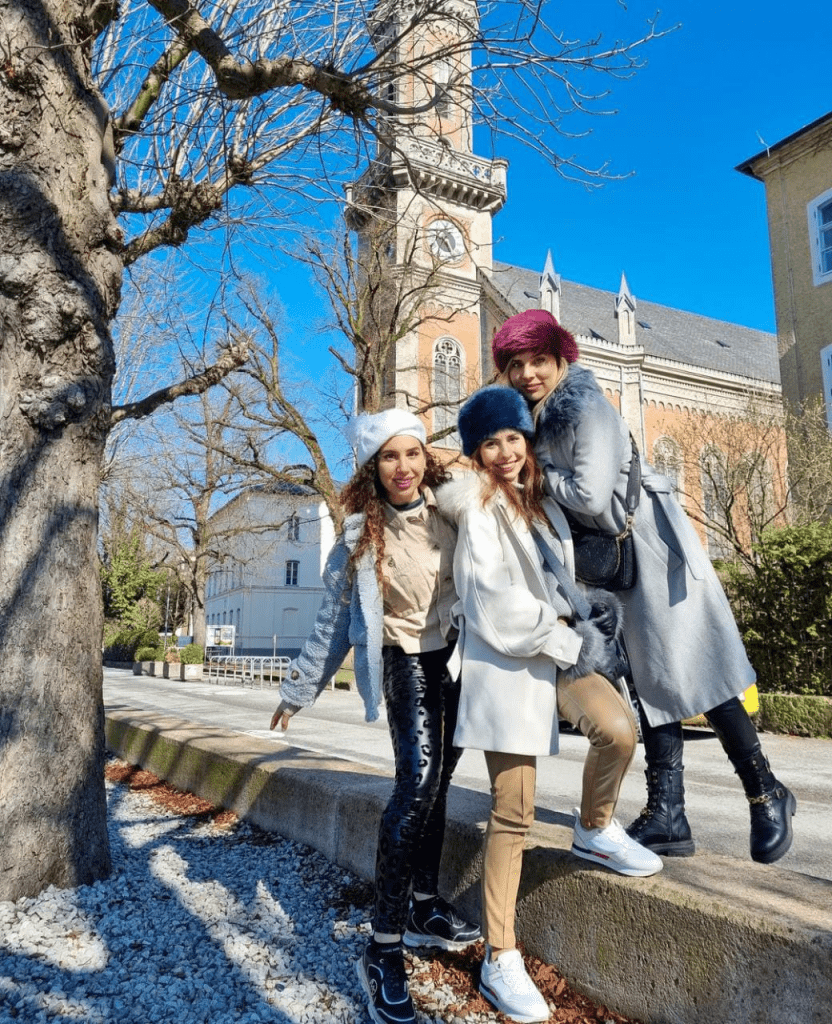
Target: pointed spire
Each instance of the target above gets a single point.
(625, 311)
(550, 290)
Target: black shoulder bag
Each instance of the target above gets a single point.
(608, 559)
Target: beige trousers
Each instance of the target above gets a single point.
(594, 706)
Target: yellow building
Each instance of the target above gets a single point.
(797, 174)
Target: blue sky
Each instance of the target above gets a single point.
(688, 230)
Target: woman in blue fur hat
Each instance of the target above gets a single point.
(684, 648)
(388, 591)
(531, 647)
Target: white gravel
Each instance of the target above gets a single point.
(196, 924)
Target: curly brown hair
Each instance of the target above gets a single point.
(527, 501)
(364, 493)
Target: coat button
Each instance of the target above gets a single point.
(296, 674)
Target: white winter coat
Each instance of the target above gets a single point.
(511, 641)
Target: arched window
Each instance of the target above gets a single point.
(715, 503)
(447, 387)
(667, 460)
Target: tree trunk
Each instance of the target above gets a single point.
(59, 287)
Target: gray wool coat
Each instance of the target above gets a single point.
(685, 650)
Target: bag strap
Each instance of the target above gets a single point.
(580, 605)
(633, 490)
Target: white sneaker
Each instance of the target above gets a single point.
(505, 983)
(613, 848)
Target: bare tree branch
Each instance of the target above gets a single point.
(232, 358)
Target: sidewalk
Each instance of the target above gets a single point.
(709, 940)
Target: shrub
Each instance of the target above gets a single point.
(147, 654)
(121, 642)
(783, 607)
(192, 654)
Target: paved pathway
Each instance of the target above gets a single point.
(717, 809)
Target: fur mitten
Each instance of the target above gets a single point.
(602, 650)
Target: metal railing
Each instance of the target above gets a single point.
(230, 669)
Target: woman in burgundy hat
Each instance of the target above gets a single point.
(685, 651)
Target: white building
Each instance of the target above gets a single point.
(268, 584)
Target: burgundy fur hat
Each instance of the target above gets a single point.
(534, 330)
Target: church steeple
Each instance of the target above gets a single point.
(437, 197)
(625, 312)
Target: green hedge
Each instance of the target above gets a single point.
(121, 643)
(148, 654)
(783, 607)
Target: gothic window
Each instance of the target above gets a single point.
(447, 387)
(292, 572)
(667, 460)
(715, 503)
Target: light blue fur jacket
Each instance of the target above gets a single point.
(351, 615)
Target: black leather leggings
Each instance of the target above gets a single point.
(422, 703)
(729, 720)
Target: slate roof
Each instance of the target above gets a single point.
(672, 333)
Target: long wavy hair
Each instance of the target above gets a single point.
(364, 493)
(527, 500)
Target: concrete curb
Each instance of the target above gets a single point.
(710, 940)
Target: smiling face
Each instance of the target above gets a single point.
(401, 464)
(533, 374)
(504, 454)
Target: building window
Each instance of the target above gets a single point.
(447, 388)
(668, 461)
(715, 499)
(292, 573)
(293, 527)
(826, 371)
(820, 237)
(441, 92)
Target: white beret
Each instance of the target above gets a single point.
(370, 431)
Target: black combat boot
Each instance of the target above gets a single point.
(662, 826)
(772, 806)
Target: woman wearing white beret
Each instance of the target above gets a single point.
(388, 593)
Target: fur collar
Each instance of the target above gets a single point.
(353, 527)
(458, 495)
(561, 408)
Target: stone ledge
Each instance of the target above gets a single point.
(710, 940)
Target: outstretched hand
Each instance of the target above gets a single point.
(282, 715)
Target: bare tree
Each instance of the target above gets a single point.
(128, 129)
(810, 463)
(737, 480)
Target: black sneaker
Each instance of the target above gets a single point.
(381, 972)
(434, 922)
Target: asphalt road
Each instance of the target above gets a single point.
(716, 807)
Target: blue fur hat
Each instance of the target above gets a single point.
(491, 409)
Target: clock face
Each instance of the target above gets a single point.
(445, 240)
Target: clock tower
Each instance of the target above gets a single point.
(437, 199)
